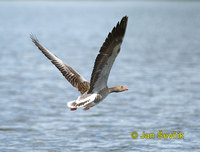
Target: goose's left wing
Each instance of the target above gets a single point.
(68, 72)
(107, 55)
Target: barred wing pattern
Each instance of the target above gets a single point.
(71, 75)
(106, 56)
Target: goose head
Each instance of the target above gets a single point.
(118, 88)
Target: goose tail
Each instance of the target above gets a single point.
(71, 105)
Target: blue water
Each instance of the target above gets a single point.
(159, 62)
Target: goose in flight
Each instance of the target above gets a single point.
(97, 90)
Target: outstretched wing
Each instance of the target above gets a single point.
(107, 55)
(70, 74)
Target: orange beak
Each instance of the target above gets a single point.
(125, 88)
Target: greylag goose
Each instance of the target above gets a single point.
(97, 90)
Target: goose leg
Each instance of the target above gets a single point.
(73, 109)
(87, 107)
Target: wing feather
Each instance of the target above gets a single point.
(107, 56)
(70, 74)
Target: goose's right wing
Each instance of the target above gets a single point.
(107, 55)
(70, 74)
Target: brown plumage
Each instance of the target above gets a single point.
(96, 90)
(70, 74)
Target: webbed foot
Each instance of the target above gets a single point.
(87, 107)
(73, 109)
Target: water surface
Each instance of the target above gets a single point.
(159, 62)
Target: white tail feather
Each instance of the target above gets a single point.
(70, 104)
(81, 102)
